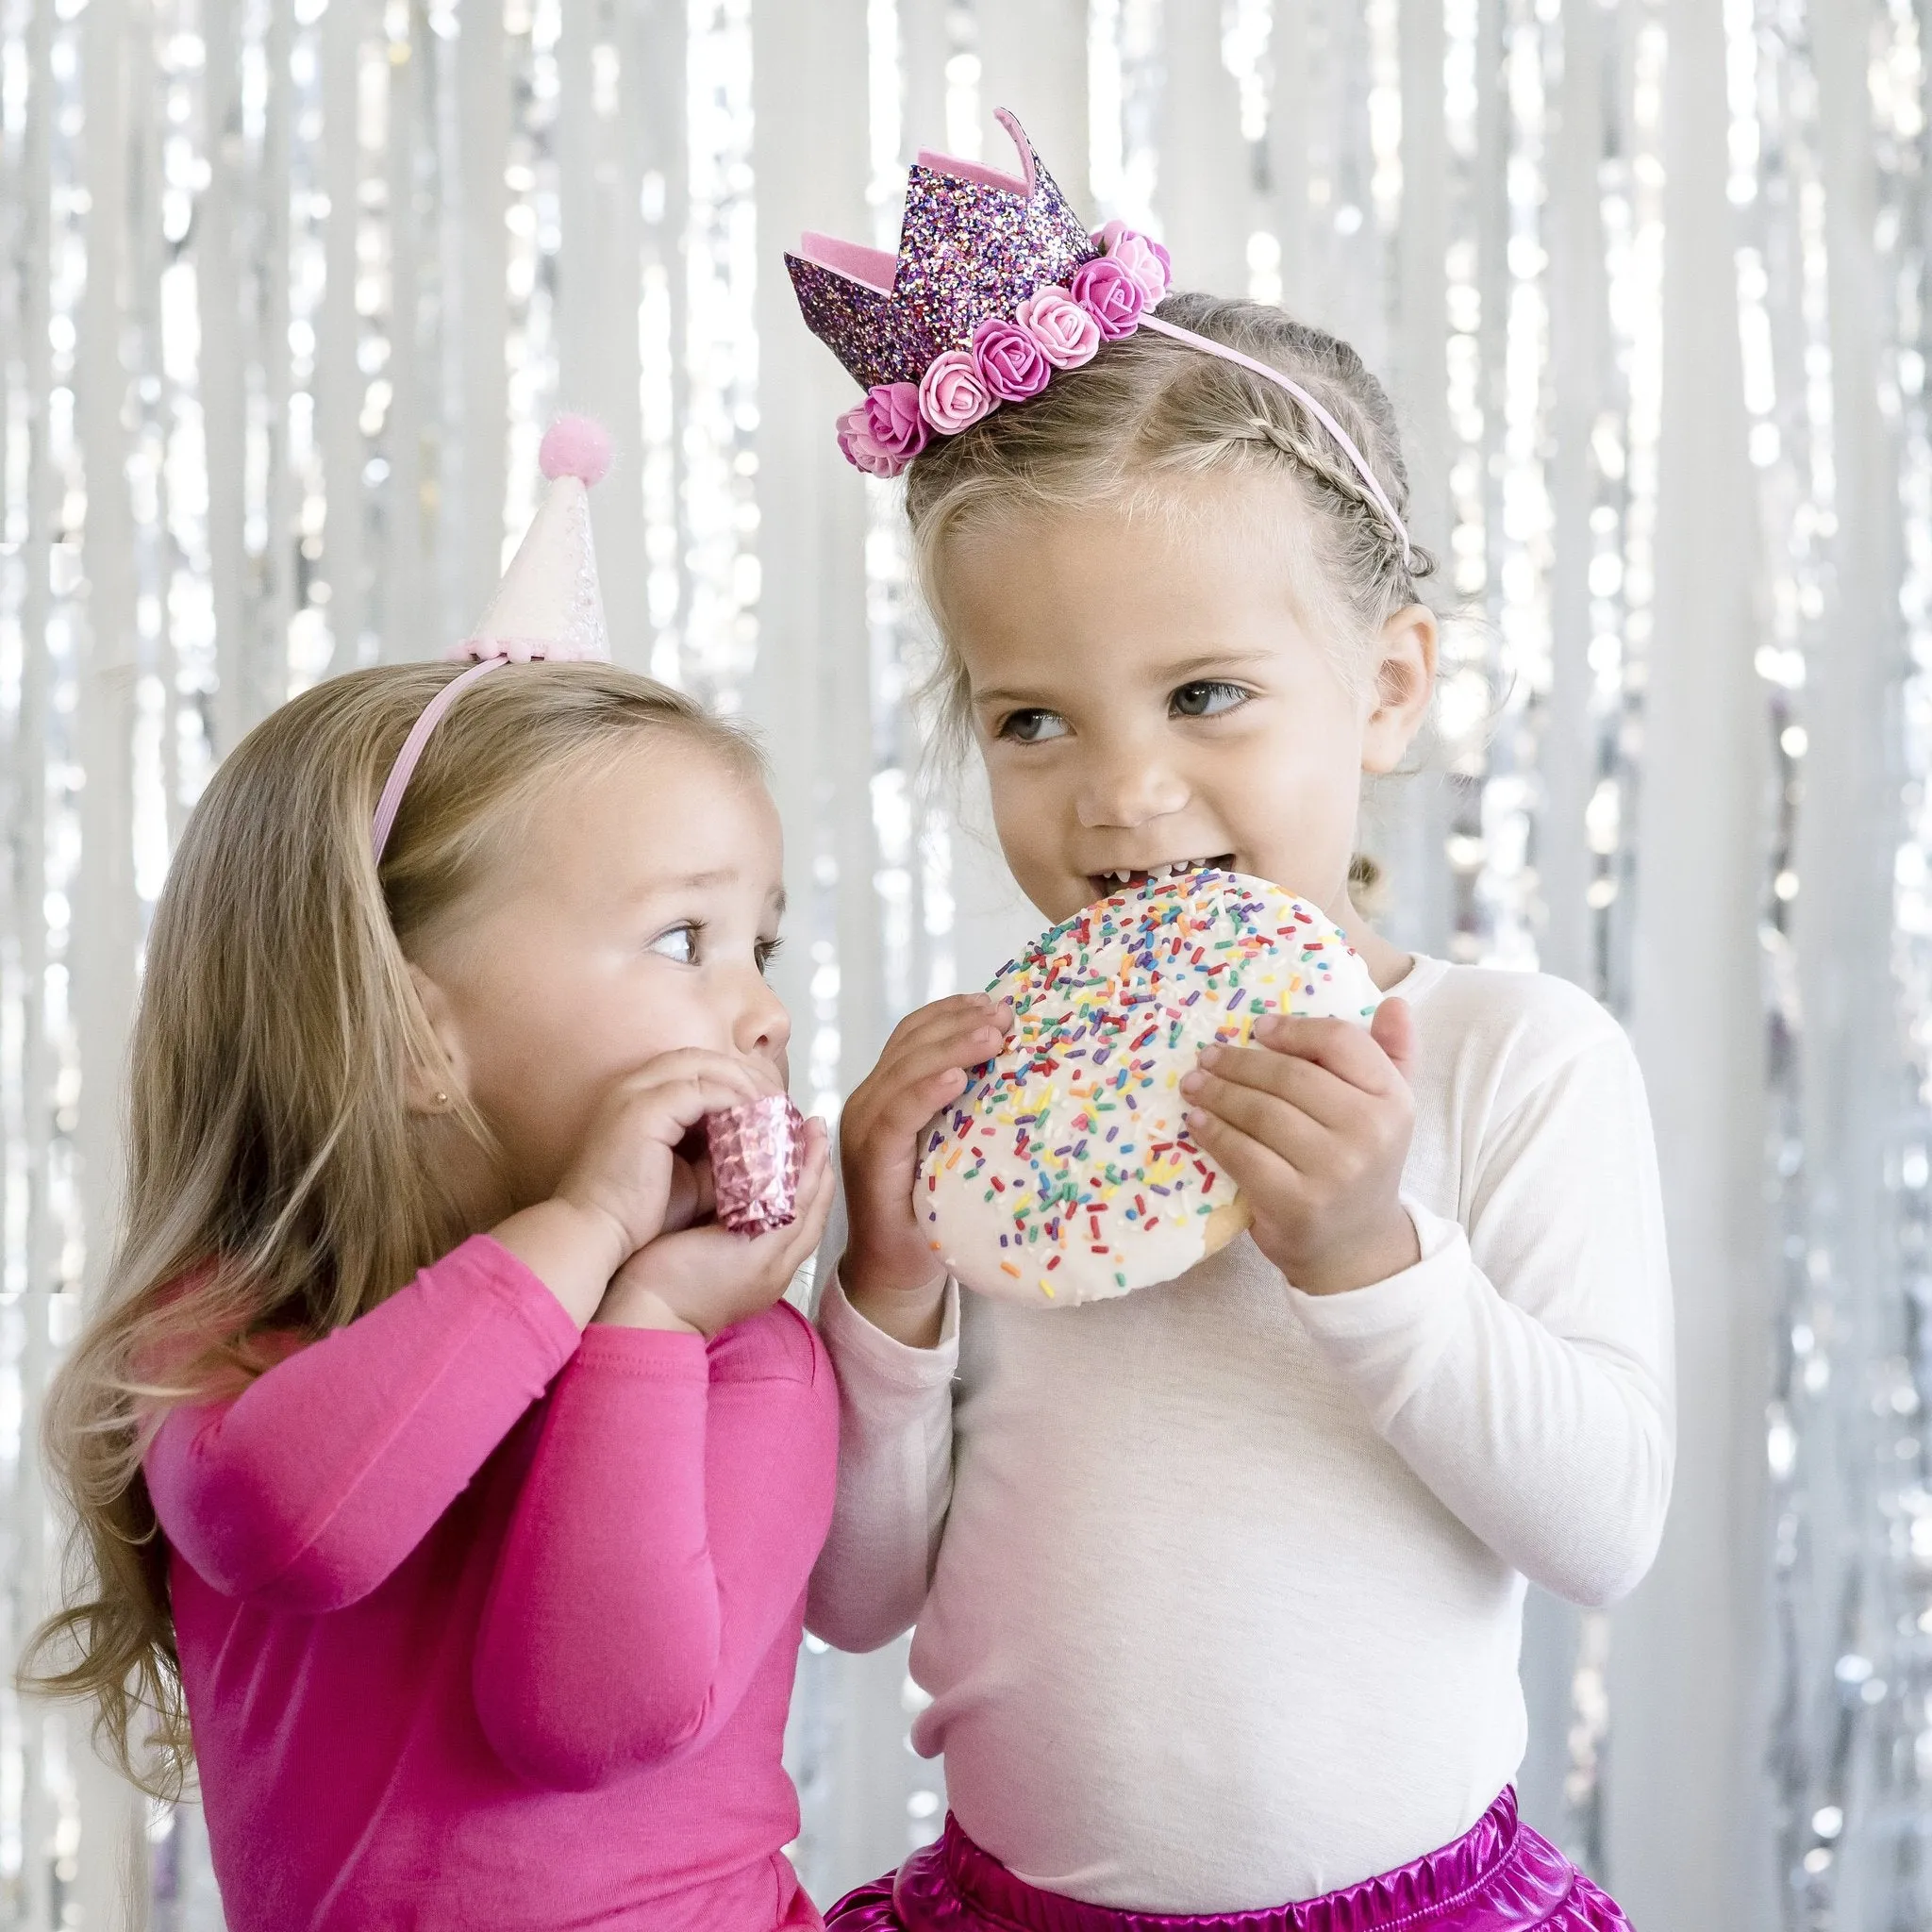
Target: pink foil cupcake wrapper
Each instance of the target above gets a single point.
(758, 1151)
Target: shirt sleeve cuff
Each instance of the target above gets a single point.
(653, 1354)
(859, 1349)
(1384, 1340)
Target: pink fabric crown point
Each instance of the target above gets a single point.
(576, 446)
(995, 286)
(549, 604)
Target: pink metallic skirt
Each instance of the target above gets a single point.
(1499, 1877)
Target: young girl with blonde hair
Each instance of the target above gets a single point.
(449, 1476)
(1218, 1585)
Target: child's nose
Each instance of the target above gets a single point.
(1127, 787)
(762, 1027)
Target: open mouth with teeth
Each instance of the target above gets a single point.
(1166, 874)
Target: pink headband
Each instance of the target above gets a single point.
(996, 283)
(404, 767)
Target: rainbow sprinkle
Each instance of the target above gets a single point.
(1065, 1170)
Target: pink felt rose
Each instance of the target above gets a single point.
(1111, 296)
(1010, 360)
(892, 418)
(857, 446)
(862, 449)
(1067, 335)
(1142, 258)
(953, 394)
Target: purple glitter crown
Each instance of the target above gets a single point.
(995, 286)
(974, 244)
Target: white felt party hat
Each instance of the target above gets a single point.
(548, 604)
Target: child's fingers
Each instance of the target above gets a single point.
(945, 1057)
(682, 1087)
(693, 1062)
(1306, 1085)
(1394, 1031)
(678, 1105)
(977, 1029)
(686, 1199)
(815, 1171)
(917, 1088)
(815, 1197)
(969, 1047)
(1263, 1117)
(967, 1044)
(960, 1012)
(1257, 1168)
(1350, 1051)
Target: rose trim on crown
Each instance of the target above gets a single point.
(1067, 334)
(1057, 327)
(883, 433)
(1142, 256)
(1111, 296)
(1010, 361)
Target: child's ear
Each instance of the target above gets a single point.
(433, 1090)
(1404, 686)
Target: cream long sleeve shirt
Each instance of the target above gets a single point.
(1218, 1586)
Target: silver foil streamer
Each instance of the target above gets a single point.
(1507, 264)
(1852, 1742)
(1898, 1833)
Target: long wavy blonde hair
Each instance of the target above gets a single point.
(277, 1180)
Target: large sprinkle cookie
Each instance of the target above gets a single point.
(1065, 1174)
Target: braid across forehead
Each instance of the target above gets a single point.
(1147, 408)
(1211, 414)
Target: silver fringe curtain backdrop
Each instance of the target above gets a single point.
(288, 292)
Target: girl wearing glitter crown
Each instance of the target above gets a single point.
(1218, 1585)
(439, 1457)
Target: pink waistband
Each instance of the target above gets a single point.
(1499, 1877)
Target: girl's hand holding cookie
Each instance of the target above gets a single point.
(890, 1271)
(1313, 1123)
(705, 1277)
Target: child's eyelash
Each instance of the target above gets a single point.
(1010, 727)
(1215, 690)
(766, 951)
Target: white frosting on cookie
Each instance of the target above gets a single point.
(1065, 1174)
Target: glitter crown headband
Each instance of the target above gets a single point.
(996, 283)
(547, 606)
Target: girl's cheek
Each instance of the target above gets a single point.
(1003, 787)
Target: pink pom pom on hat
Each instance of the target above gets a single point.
(576, 446)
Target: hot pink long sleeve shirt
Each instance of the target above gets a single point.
(484, 1624)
